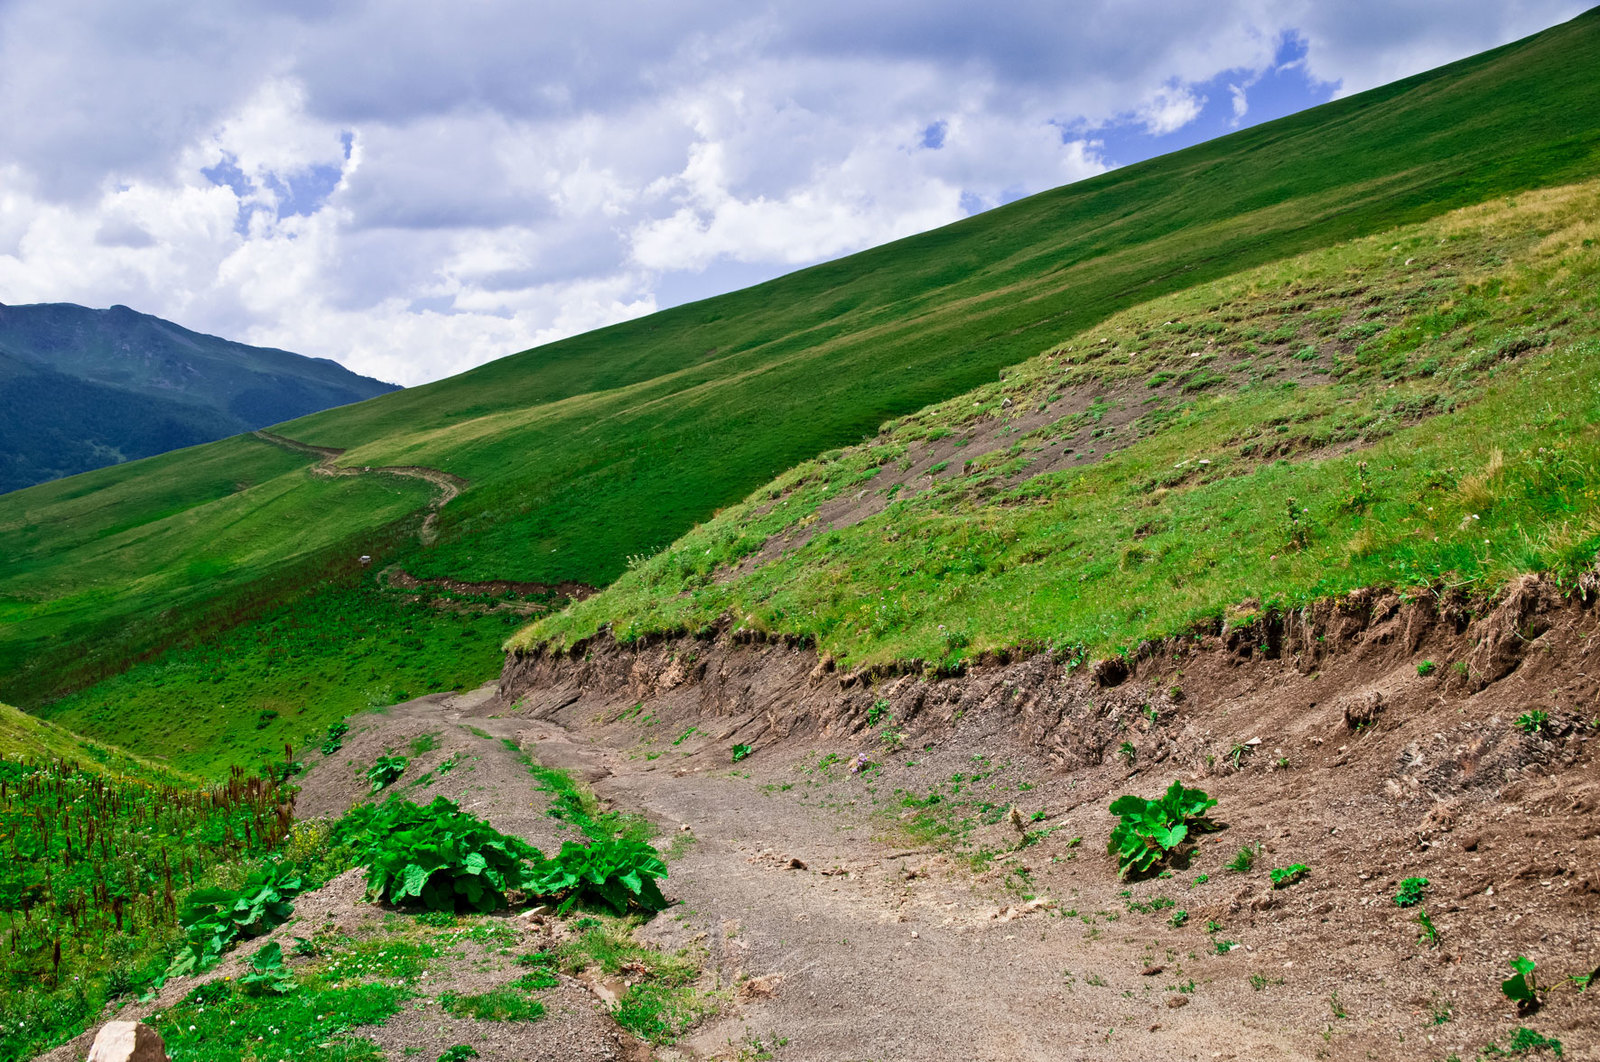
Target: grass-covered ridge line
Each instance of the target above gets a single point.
(283, 678)
(584, 452)
(1427, 400)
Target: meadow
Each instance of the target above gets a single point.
(101, 849)
(283, 678)
(1419, 409)
(108, 567)
(612, 444)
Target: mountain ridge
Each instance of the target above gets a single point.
(82, 388)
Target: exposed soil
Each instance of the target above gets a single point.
(883, 946)
(400, 579)
(843, 924)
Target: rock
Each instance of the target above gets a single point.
(796, 863)
(1177, 1001)
(760, 987)
(1441, 818)
(127, 1041)
(1151, 971)
(1363, 710)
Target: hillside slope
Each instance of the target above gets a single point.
(83, 388)
(1413, 409)
(23, 736)
(612, 444)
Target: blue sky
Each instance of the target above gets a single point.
(414, 188)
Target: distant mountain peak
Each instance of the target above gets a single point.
(85, 388)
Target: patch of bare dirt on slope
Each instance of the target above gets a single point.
(1048, 434)
(1324, 744)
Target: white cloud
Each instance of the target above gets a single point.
(1169, 109)
(1241, 102)
(414, 188)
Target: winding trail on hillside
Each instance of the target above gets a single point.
(449, 485)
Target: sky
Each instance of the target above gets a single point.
(413, 188)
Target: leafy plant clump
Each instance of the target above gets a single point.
(1149, 830)
(740, 752)
(214, 919)
(334, 741)
(438, 856)
(1520, 987)
(615, 872)
(1283, 877)
(1525, 1039)
(1427, 932)
(386, 771)
(1410, 893)
(1532, 722)
(458, 1053)
(267, 975)
(1242, 860)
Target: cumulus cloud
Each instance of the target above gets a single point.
(415, 188)
(1169, 109)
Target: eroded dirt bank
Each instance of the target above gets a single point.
(1371, 739)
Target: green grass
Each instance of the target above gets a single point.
(498, 1004)
(662, 1002)
(311, 662)
(113, 564)
(611, 444)
(23, 736)
(1455, 440)
(574, 803)
(360, 984)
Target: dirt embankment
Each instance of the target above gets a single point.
(400, 579)
(1372, 738)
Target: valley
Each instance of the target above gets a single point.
(1151, 619)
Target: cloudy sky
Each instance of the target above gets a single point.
(414, 188)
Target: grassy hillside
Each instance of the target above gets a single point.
(613, 443)
(284, 677)
(103, 566)
(585, 452)
(26, 737)
(1416, 407)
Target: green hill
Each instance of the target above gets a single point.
(1416, 408)
(583, 453)
(82, 388)
(25, 737)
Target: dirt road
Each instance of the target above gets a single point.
(449, 485)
